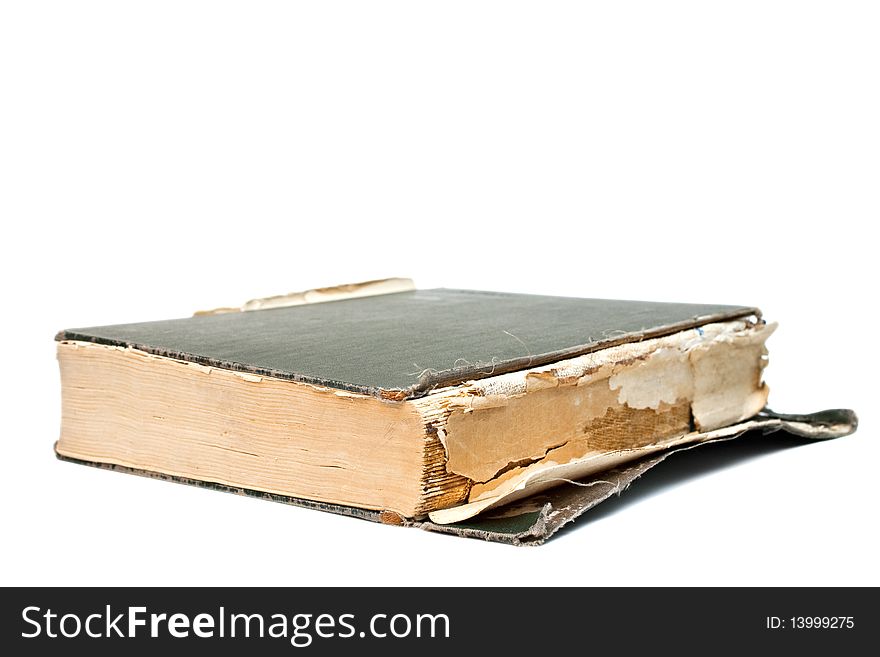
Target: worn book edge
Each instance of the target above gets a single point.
(428, 379)
(535, 519)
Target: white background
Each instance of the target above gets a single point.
(157, 158)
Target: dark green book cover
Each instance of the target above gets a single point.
(403, 344)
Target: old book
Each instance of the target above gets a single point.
(408, 403)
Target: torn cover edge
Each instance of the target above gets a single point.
(320, 295)
(428, 381)
(533, 520)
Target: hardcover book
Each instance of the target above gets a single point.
(480, 413)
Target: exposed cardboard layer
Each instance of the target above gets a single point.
(606, 440)
(593, 412)
(440, 488)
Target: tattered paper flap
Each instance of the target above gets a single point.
(533, 520)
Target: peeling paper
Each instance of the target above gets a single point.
(664, 377)
(598, 364)
(727, 386)
(534, 519)
(553, 474)
(253, 378)
(494, 425)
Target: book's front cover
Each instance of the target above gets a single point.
(404, 344)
